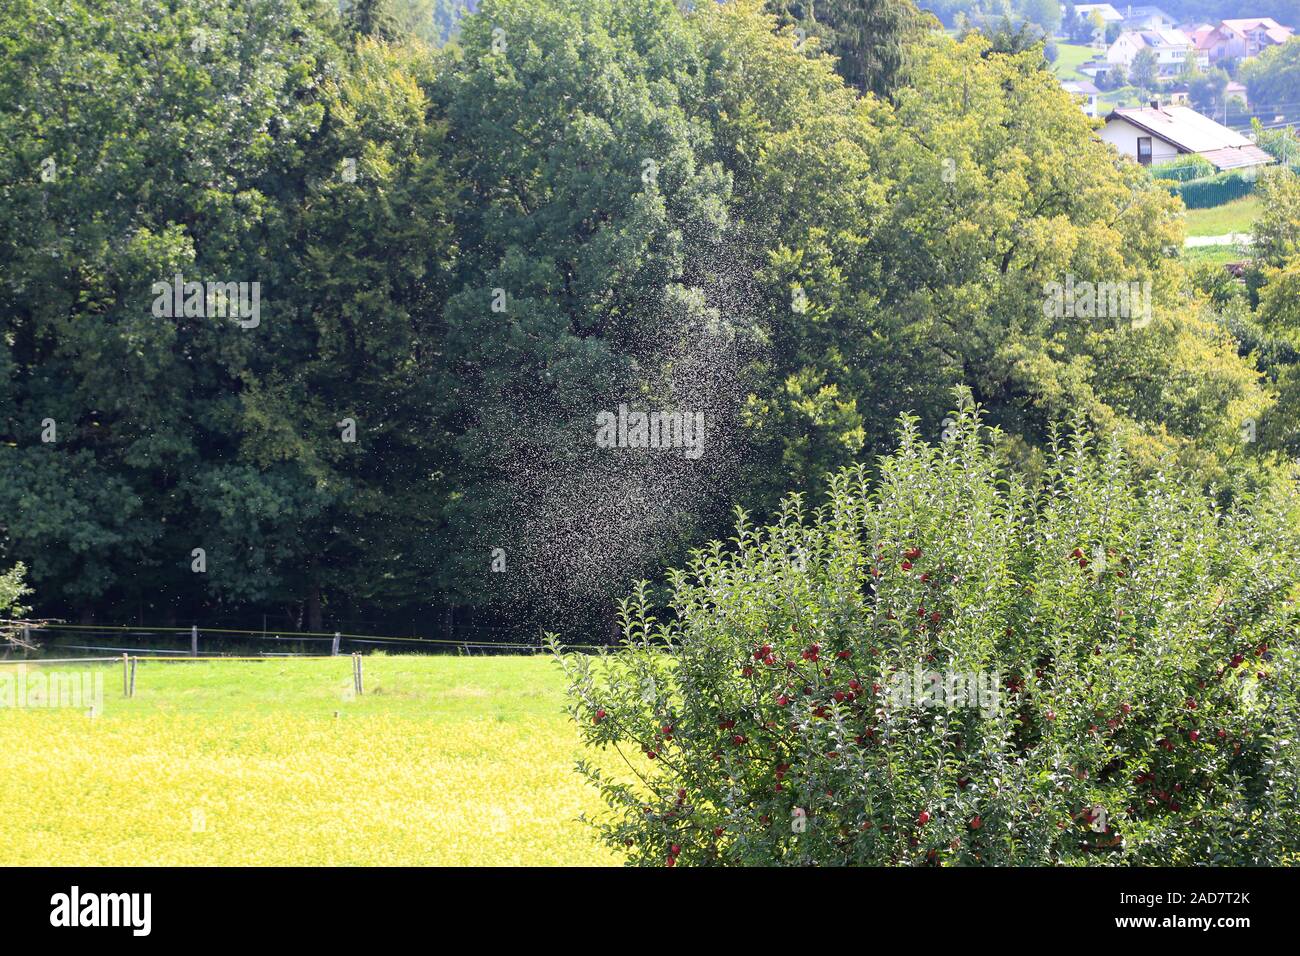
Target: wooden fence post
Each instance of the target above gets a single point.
(134, 661)
(335, 651)
(126, 680)
(194, 640)
(361, 681)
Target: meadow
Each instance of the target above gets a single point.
(442, 761)
(1236, 216)
(1070, 56)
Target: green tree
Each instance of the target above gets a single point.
(111, 408)
(1208, 90)
(1097, 28)
(965, 265)
(1144, 72)
(1045, 13)
(202, 454)
(869, 38)
(1277, 227)
(600, 206)
(1273, 78)
(12, 590)
(956, 665)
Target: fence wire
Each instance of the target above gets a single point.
(121, 636)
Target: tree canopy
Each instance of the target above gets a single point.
(464, 255)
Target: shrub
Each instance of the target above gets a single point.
(1183, 169)
(1140, 638)
(12, 590)
(1213, 191)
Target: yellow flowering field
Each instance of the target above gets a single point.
(443, 761)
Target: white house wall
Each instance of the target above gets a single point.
(1123, 135)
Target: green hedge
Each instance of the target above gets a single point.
(1184, 169)
(1213, 190)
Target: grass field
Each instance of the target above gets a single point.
(1069, 56)
(1213, 255)
(443, 760)
(1236, 216)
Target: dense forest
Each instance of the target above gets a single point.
(314, 314)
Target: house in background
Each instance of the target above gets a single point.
(1086, 92)
(1200, 35)
(1108, 13)
(1094, 67)
(1147, 18)
(1242, 39)
(1169, 46)
(1235, 90)
(1157, 134)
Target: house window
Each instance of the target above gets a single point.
(1144, 150)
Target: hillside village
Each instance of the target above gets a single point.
(1187, 99)
(1117, 56)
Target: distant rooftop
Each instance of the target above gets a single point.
(1134, 13)
(1082, 87)
(1272, 29)
(1107, 11)
(1160, 39)
(1193, 133)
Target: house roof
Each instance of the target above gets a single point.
(1107, 11)
(1190, 132)
(1157, 39)
(1272, 29)
(1237, 158)
(1172, 37)
(1082, 87)
(1137, 13)
(1203, 35)
(1244, 24)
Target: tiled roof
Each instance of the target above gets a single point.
(1235, 157)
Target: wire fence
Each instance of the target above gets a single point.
(233, 643)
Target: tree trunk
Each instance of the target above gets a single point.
(314, 621)
(609, 620)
